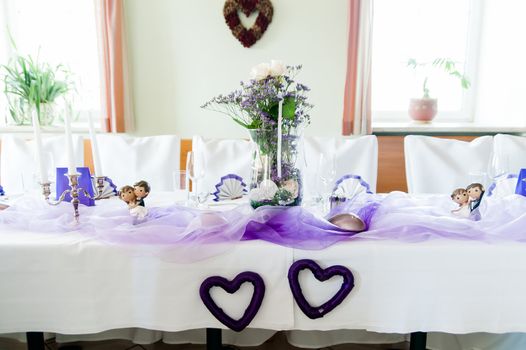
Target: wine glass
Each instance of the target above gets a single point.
(326, 174)
(498, 167)
(195, 169)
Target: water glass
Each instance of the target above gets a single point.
(326, 174)
(181, 185)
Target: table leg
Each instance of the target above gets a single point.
(418, 341)
(213, 339)
(35, 340)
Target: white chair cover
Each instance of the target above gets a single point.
(353, 155)
(126, 159)
(510, 151)
(18, 169)
(436, 165)
(222, 157)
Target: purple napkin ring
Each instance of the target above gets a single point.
(232, 287)
(315, 312)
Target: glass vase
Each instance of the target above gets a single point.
(276, 175)
(21, 111)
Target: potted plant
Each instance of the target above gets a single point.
(30, 85)
(424, 109)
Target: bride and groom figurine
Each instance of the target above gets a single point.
(134, 197)
(468, 199)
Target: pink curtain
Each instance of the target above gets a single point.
(116, 111)
(357, 95)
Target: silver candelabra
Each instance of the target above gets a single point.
(74, 191)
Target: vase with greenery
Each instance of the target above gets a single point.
(274, 109)
(424, 109)
(33, 86)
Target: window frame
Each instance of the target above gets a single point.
(467, 112)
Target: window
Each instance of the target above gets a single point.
(58, 32)
(423, 30)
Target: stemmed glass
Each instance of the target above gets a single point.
(195, 169)
(498, 167)
(326, 174)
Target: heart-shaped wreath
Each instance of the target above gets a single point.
(248, 37)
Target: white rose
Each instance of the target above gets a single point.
(277, 68)
(261, 71)
(292, 187)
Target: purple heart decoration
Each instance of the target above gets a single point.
(315, 312)
(232, 287)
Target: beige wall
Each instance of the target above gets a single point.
(182, 53)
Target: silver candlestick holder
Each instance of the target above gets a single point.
(74, 190)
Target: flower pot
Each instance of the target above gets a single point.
(20, 112)
(423, 109)
(268, 186)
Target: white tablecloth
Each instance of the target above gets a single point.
(66, 283)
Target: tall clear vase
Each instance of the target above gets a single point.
(276, 171)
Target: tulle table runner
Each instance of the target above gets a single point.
(396, 216)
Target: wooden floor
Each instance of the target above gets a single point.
(277, 342)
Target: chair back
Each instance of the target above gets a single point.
(509, 153)
(353, 155)
(437, 165)
(18, 169)
(222, 157)
(126, 159)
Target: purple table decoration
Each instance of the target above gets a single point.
(232, 287)
(230, 186)
(322, 275)
(2, 193)
(521, 183)
(84, 181)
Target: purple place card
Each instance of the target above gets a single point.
(521, 183)
(84, 183)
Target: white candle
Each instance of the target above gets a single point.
(94, 148)
(72, 169)
(280, 122)
(38, 148)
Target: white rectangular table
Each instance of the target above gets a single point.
(69, 284)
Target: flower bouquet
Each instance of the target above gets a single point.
(274, 109)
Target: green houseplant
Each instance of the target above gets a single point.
(424, 109)
(30, 85)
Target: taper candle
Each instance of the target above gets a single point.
(72, 169)
(38, 148)
(94, 148)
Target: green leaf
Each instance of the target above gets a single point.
(288, 109)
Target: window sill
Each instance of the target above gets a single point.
(27, 129)
(443, 128)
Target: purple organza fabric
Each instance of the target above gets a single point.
(184, 234)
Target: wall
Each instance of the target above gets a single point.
(182, 53)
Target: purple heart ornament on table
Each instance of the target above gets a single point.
(232, 287)
(321, 275)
